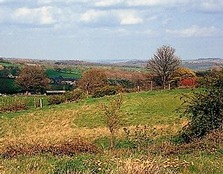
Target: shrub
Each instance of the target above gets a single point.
(74, 95)
(107, 90)
(56, 99)
(111, 117)
(70, 96)
(205, 110)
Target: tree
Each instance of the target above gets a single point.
(112, 117)
(32, 78)
(205, 109)
(163, 64)
(92, 80)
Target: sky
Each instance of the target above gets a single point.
(101, 30)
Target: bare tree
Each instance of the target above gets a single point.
(163, 64)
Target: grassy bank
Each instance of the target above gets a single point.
(41, 134)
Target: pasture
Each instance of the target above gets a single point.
(50, 140)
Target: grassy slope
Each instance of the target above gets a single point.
(83, 119)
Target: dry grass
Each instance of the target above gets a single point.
(38, 130)
(150, 166)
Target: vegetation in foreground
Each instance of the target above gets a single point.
(49, 140)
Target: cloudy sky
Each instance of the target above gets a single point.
(110, 29)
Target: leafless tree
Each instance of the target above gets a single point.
(163, 64)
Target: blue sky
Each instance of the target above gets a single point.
(110, 29)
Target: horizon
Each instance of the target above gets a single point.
(99, 30)
(110, 61)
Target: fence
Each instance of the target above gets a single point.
(30, 101)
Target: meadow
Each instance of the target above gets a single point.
(73, 138)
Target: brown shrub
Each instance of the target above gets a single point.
(69, 147)
(14, 106)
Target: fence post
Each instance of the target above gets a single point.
(41, 102)
(34, 103)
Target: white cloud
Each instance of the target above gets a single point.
(38, 16)
(154, 2)
(122, 17)
(92, 16)
(107, 3)
(211, 5)
(196, 31)
(129, 17)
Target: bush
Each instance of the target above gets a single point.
(71, 96)
(74, 95)
(205, 110)
(56, 99)
(107, 90)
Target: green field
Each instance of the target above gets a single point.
(83, 120)
(74, 73)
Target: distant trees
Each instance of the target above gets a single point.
(92, 80)
(185, 77)
(32, 78)
(163, 64)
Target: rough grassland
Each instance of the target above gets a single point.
(83, 120)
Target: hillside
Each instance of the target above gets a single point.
(59, 126)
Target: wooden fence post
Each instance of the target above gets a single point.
(41, 102)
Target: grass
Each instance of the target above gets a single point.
(62, 123)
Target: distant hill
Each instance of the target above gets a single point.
(203, 63)
(195, 64)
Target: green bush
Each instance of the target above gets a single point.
(56, 99)
(70, 96)
(205, 110)
(74, 95)
(107, 90)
